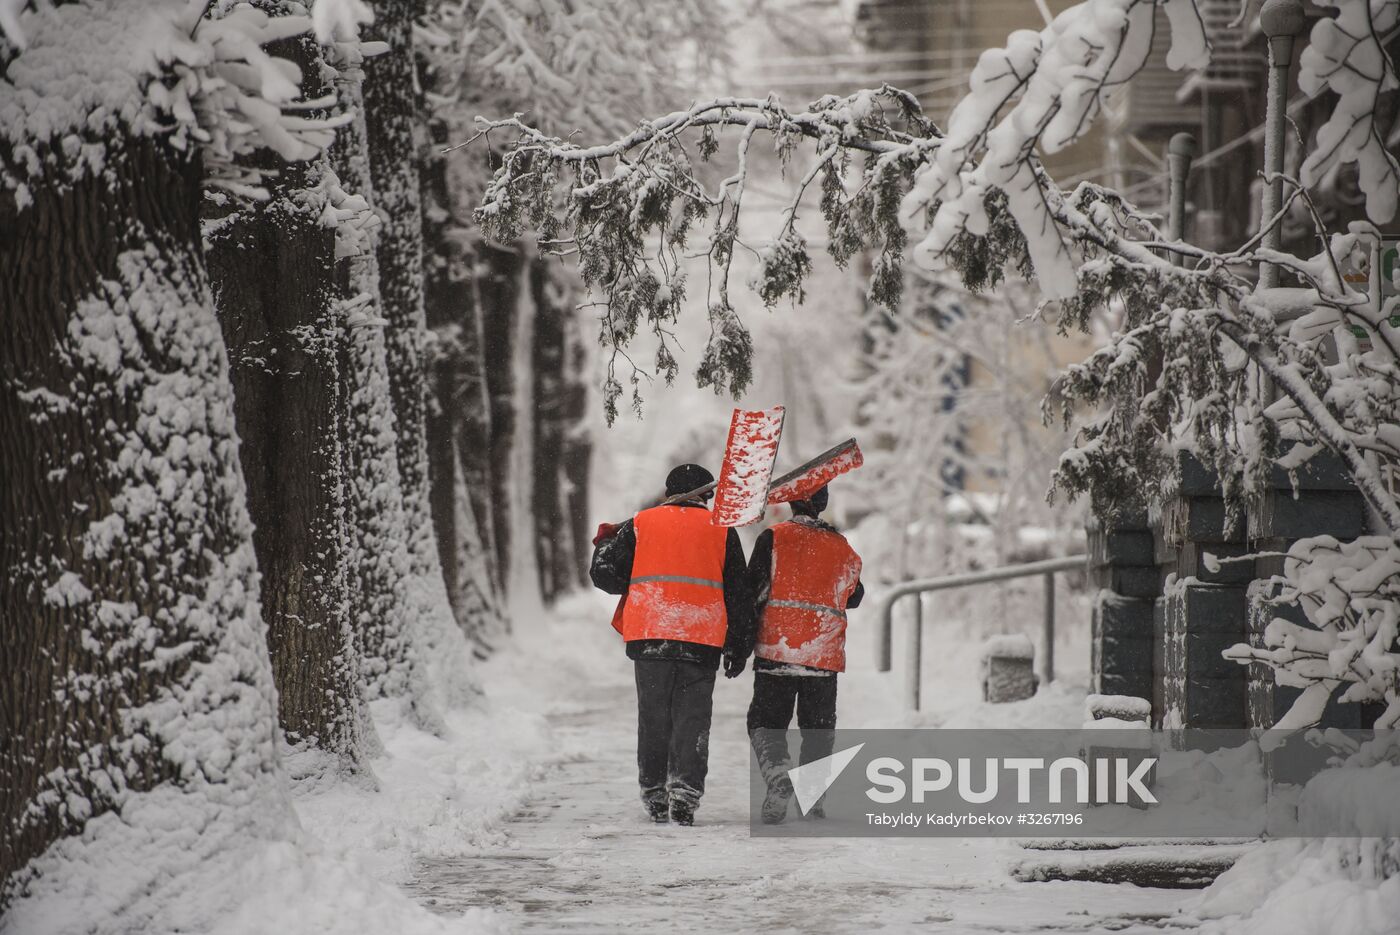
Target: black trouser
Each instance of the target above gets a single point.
(674, 702)
(814, 696)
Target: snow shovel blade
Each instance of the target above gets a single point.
(801, 482)
(742, 493)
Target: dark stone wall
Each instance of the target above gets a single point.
(1171, 601)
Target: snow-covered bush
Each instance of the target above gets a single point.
(1351, 593)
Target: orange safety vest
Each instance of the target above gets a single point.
(814, 574)
(677, 586)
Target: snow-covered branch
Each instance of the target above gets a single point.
(1197, 340)
(1347, 55)
(630, 207)
(194, 73)
(1042, 91)
(1351, 593)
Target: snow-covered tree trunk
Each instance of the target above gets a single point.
(561, 451)
(458, 426)
(382, 605)
(576, 460)
(272, 265)
(130, 640)
(497, 287)
(524, 581)
(391, 101)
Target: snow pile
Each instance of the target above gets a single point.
(163, 866)
(331, 859)
(1118, 707)
(436, 796)
(450, 795)
(1306, 887)
(1330, 884)
(1008, 646)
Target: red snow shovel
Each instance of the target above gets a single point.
(749, 455)
(744, 476)
(744, 486)
(800, 483)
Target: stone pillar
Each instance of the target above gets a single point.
(1121, 561)
(1326, 503)
(1203, 612)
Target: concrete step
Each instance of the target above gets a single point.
(1161, 866)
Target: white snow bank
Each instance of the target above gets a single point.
(160, 865)
(1306, 888)
(437, 796)
(451, 795)
(1317, 887)
(333, 865)
(1358, 801)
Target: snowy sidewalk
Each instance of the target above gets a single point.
(579, 855)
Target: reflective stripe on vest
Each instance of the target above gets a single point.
(803, 605)
(676, 591)
(680, 579)
(814, 573)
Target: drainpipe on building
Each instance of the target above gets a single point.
(1282, 22)
(1181, 150)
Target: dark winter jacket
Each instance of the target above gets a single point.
(611, 571)
(760, 579)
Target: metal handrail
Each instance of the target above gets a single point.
(1047, 567)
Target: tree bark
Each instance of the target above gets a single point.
(497, 287)
(272, 264)
(387, 619)
(476, 430)
(552, 532)
(458, 421)
(576, 460)
(562, 450)
(391, 102)
(129, 632)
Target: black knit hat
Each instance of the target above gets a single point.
(687, 477)
(814, 504)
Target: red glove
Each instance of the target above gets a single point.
(605, 531)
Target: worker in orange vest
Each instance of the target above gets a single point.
(686, 600)
(803, 576)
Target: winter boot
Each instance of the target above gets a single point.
(682, 811)
(654, 799)
(656, 806)
(770, 747)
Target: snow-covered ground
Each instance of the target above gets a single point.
(527, 817)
